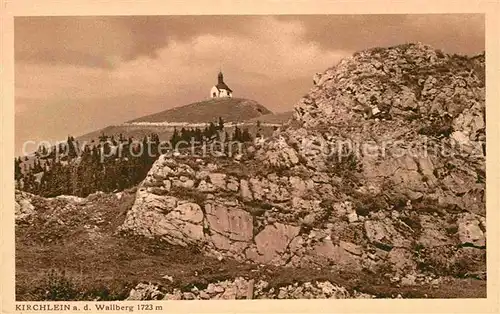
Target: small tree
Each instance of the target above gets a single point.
(221, 124)
(17, 169)
(245, 136)
(175, 138)
(71, 147)
(212, 130)
(237, 134)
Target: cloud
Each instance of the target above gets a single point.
(454, 33)
(82, 41)
(92, 40)
(278, 54)
(89, 40)
(275, 55)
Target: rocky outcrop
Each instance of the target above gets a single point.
(263, 225)
(53, 220)
(382, 169)
(412, 80)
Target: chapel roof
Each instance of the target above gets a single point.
(222, 85)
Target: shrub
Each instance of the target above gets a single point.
(431, 206)
(437, 129)
(189, 194)
(238, 171)
(257, 208)
(451, 261)
(413, 221)
(192, 163)
(58, 287)
(440, 53)
(344, 164)
(327, 204)
(364, 204)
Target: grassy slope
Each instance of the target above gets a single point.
(230, 109)
(83, 243)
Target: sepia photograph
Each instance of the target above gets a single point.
(235, 157)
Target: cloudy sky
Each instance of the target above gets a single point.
(74, 75)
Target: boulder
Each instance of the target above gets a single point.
(218, 180)
(23, 207)
(469, 231)
(298, 186)
(402, 260)
(165, 216)
(351, 248)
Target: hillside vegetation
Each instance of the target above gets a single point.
(111, 163)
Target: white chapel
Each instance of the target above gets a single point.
(221, 89)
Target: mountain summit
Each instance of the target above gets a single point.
(238, 110)
(229, 109)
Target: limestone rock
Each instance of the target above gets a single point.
(246, 194)
(234, 223)
(351, 248)
(383, 233)
(282, 156)
(259, 187)
(325, 249)
(154, 215)
(237, 288)
(402, 260)
(274, 240)
(190, 212)
(218, 180)
(469, 230)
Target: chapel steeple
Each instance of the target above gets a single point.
(221, 89)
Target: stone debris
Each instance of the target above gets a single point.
(169, 278)
(239, 289)
(145, 291)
